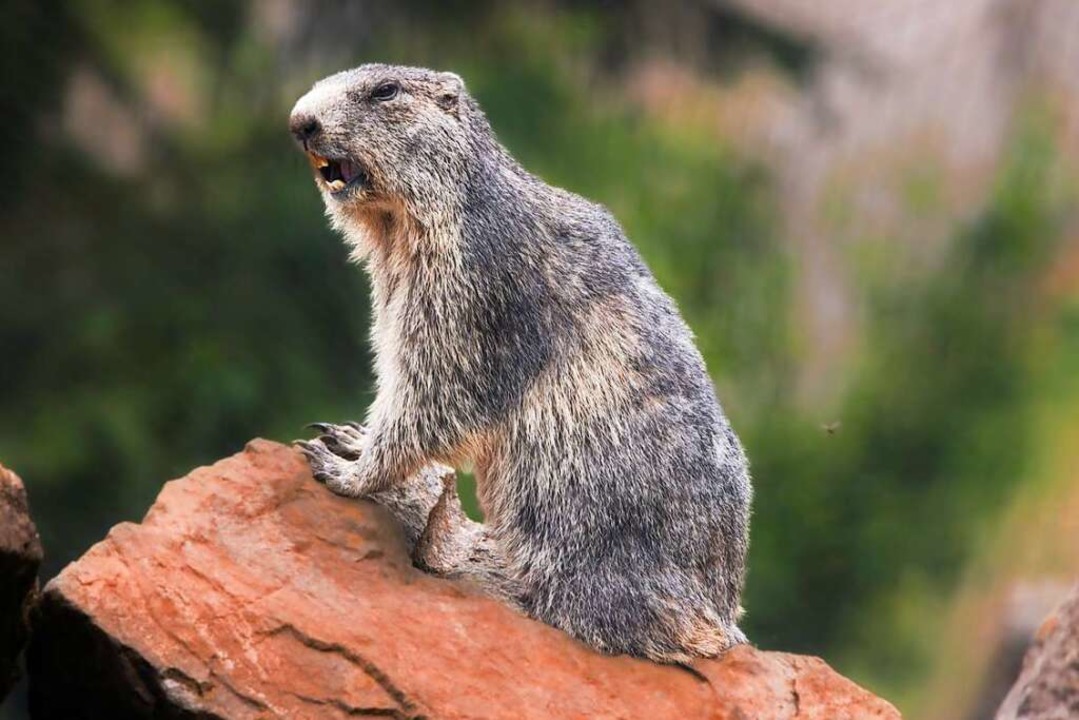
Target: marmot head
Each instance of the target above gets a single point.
(383, 135)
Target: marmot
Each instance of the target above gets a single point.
(516, 328)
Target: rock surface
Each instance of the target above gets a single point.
(1048, 687)
(250, 591)
(20, 556)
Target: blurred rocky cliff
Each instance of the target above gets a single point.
(890, 128)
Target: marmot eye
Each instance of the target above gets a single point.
(385, 91)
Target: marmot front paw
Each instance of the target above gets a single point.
(337, 458)
(346, 441)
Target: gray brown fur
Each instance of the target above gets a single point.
(516, 328)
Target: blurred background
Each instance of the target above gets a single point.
(866, 211)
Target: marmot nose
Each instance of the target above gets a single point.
(304, 128)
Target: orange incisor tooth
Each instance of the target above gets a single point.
(318, 161)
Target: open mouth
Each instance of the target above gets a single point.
(338, 174)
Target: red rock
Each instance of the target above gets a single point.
(20, 557)
(1048, 686)
(250, 591)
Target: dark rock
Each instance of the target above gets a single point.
(1048, 686)
(20, 557)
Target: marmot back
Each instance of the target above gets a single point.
(517, 329)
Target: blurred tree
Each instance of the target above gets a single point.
(33, 77)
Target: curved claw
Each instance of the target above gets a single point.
(311, 448)
(320, 426)
(338, 448)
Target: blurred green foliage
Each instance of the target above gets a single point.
(934, 434)
(153, 322)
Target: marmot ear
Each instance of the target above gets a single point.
(449, 94)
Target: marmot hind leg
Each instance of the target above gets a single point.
(654, 614)
(454, 546)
